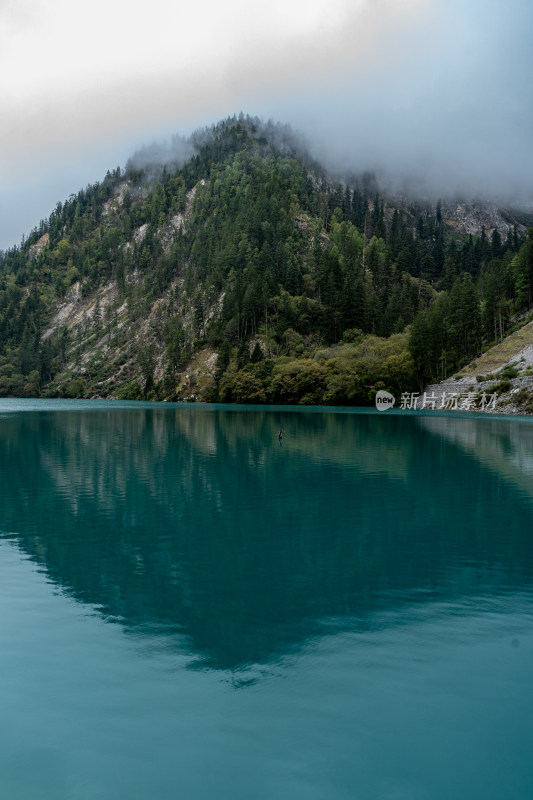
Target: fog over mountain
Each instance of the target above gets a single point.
(425, 91)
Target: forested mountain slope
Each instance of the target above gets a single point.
(237, 270)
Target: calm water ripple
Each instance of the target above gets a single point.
(190, 609)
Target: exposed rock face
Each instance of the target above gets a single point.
(469, 218)
(38, 247)
(140, 233)
(495, 392)
(179, 220)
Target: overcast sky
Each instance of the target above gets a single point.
(440, 89)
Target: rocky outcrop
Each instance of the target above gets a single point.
(505, 389)
(469, 218)
(37, 248)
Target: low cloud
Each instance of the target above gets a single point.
(451, 115)
(431, 92)
(172, 152)
(95, 75)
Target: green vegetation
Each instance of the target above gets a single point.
(348, 374)
(524, 400)
(308, 291)
(500, 388)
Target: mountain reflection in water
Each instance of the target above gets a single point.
(193, 523)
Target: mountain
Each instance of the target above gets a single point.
(230, 267)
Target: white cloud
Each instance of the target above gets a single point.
(80, 73)
(439, 87)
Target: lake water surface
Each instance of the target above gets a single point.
(190, 610)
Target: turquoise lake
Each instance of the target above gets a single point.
(189, 609)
